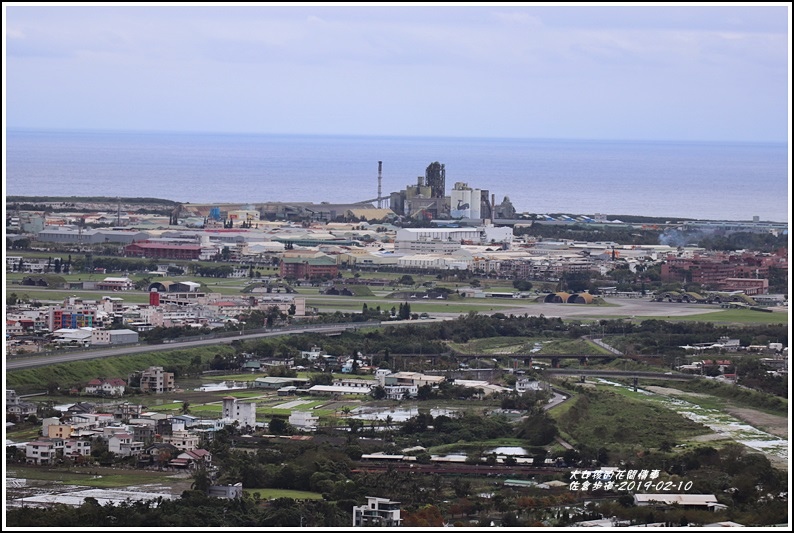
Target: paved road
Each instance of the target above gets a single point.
(622, 307)
(33, 361)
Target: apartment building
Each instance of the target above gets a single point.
(242, 412)
(156, 380)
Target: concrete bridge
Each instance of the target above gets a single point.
(621, 374)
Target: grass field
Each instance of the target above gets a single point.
(54, 295)
(615, 417)
(85, 476)
(272, 494)
(730, 316)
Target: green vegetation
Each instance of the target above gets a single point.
(272, 494)
(76, 374)
(738, 396)
(598, 417)
(730, 316)
(92, 476)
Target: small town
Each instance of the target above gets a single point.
(286, 302)
(395, 266)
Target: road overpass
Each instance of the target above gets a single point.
(620, 374)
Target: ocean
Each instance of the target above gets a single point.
(703, 180)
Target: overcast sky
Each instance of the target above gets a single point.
(511, 70)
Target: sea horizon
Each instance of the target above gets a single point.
(706, 180)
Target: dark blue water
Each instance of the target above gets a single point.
(732, 181)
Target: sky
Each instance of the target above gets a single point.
(641, 72)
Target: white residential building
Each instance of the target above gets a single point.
(378, 512)
(401, 392)
(182, 439)
(40, 452)
(242, 412)
(122, 444)
(76, 448)
(108, 387)
(304, 420)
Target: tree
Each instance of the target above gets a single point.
(321, 379)
(279, 426)
(202, 481)
(406, 280)
(273, 314)
(522, 285)
(425, 392)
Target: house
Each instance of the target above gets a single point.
(378, 512)
(122, 444)
(105, 387)
(76, 448)
(41, 451)
(184, 440)
(528, 384)
(158, 453)
(16, 406)
(56, 430)
(192, 459)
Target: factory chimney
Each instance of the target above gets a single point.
(493, 207)
(380, 181)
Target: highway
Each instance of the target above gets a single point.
(32, 361)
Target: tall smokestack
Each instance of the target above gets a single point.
(493, 207)
(380, 181)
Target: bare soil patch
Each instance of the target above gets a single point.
(667, 391)
(774, 424)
